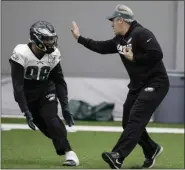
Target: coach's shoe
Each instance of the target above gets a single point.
(150, 161)
(71, 159)
(112, 158)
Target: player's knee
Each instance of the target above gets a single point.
(55, 121)
(57, 125)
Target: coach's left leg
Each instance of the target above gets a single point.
(140, 115)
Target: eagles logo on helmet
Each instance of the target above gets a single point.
(43, 34)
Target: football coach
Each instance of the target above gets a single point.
(142, 57)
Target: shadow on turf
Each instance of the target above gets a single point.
(23, 163)
(135, 167)
(139, 167)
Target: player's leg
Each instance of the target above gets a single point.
(42, 126)
(39, 122)
(34, 108)
(57, 131)
(140, 115)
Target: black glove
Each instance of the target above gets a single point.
(68, 117)
(29, 120)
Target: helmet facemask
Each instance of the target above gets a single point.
(44, 39)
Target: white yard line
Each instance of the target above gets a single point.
(5, 126)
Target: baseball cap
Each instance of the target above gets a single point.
(122, 11)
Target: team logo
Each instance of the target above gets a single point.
(51, 59)
(15, 57)
(149, 89)
(129, 40)
(148, 40)
(40, 62)
(50, 97)
(40, 45)
(121, 48)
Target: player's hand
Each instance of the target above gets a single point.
(128, 53)
(75, 30)
(29, 120)
(68, 117)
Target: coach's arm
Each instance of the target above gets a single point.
(102, 47)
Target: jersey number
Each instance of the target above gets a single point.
(32, 72)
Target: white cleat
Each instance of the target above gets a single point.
(71, 159)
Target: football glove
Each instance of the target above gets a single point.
(68, 117)
(29, 120)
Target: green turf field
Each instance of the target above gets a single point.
(29, 149)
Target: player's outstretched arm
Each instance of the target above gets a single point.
(102, 47)
(62, 93)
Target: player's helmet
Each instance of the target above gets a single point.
(43, 34)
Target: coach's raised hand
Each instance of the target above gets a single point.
(75, 30)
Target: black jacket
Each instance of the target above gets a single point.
(147, 66)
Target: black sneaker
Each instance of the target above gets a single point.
(112, 159)
(150, 162)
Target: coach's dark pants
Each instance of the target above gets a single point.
(138, 109)
(45, 117)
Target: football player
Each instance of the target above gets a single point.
(38, 81)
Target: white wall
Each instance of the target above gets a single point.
(180, 36)
(159, 16)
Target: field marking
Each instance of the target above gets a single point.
(5, 126)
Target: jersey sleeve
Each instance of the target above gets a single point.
(17, 75)
(55, 58)
(17, 56)
(58, 57)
